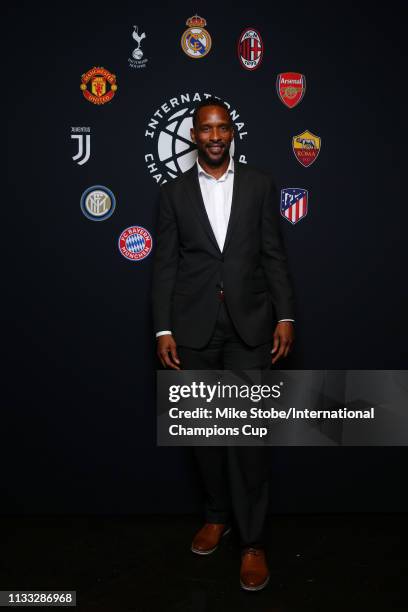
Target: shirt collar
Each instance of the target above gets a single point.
(224, 176)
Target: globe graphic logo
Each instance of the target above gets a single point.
(176, 151)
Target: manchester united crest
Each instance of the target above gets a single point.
(98, 85)
(293, 204)
(250, 49)
(291, 87)
(306, 147)
(196, 41)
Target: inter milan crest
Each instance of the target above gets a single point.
(98, 203)
(250, 49)
(135, 243)
(293, 204)
(306, 147)
(291, 87)
(98, 85)
(196, 42)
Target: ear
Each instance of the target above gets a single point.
(192, 135)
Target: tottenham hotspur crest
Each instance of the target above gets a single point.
(136, 60)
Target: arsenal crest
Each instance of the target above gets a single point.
(250, 49)
(98, 85)
(293, 204)
(291, 87)
(306, 147)
(196, 42)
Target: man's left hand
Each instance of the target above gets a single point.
(283, 338)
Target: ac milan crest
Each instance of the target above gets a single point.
(250, 49)
(291, 87)
(293, 204)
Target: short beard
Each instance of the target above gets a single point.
(212, 162)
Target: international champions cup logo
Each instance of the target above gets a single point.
(171, 150)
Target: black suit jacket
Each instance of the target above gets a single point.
(188, 264)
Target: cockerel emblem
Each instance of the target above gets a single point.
(137, 53)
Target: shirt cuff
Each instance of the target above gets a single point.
(163, 333)
(280, 320)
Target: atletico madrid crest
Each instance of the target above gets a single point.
(250, 49)
(291, 87)
(293, 204)
(306, 147)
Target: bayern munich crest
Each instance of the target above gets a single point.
(306, 147)
(293, 204)
(98, 85)
(196, 41)
(135, 243)
(98, 203)
(250, 49)
(291, 87)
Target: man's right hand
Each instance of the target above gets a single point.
(167, 351)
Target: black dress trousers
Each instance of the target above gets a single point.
(236, 478)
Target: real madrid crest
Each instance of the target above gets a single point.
(98, 85)
(196, 41)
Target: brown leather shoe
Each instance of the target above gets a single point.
(207, 539)
(254, 570)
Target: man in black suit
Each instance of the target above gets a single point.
(222, 299)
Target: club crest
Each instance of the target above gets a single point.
(137, 60)
(135, 243)
(196, 41)
(291, 87)
(98, 85)
(306, 147)
(98, 203)
(250, 49)
(294, 204)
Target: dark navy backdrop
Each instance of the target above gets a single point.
(80, 416)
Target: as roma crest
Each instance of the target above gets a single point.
(306, 147)
(98, 85)
(291, 87)
(293, 204)
(250, 49)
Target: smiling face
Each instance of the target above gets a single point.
(213, 134)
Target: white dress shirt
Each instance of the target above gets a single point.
(217, 196)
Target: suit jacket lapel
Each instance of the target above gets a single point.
(235, 203)
(198, 202)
